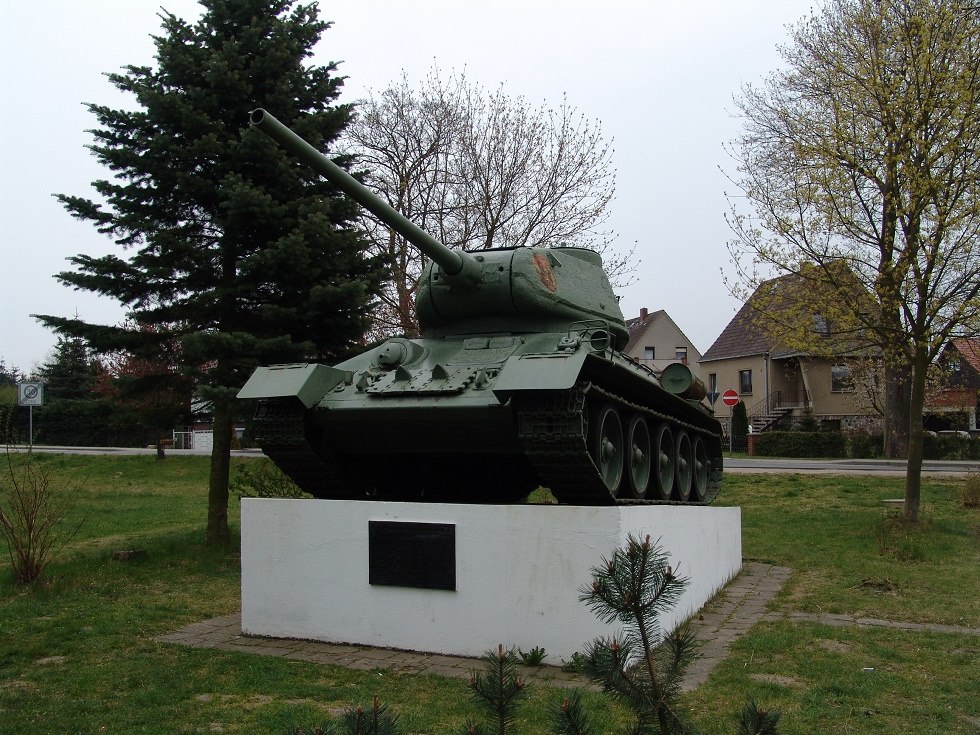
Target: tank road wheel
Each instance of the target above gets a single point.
(639, 456)
(665, 459)
(607, 447)
(685, 467)
(699, 484)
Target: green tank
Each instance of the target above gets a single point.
(518, 381)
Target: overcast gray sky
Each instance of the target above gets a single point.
(659, 76)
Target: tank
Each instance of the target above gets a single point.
(518, 381)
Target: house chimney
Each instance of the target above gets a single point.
(643, 314)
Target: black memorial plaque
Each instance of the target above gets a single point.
(419, 555)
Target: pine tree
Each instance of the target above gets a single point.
(232, 251)
(70, 373)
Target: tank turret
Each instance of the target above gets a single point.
(517, 381)
(529, 289)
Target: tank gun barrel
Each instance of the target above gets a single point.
(454, 263)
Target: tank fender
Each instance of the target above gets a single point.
(540, 371)
(307, 382)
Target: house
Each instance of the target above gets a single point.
(957, 405)
(786, 361)
(656, 341)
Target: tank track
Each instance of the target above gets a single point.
(280, 429)
(553, 429)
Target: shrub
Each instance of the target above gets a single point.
(534, 657)
(740, 420)
(33, 511)
(800, 444)
(262, 479)
(808, 422)
(950, 447)
(970, 492)
(865, 446)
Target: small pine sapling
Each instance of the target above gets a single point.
(379, 720)
(499, 688)
(571, 718)
(757, 721)
(642, 667)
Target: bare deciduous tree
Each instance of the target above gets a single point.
(865, 150)
(480, 170)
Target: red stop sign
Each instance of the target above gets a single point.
(730, 397)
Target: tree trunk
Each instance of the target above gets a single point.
(913, 472)
(217, 533)
(897, 407)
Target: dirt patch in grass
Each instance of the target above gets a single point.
(883, 585)
(255, 701)
(778, 680)
(832, 646)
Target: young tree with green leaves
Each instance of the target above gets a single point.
(232, 252)
(864, 151)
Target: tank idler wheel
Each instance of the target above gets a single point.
(699, 485)
(607, 446)
(665, 459)
(640, 458)
(685, 467)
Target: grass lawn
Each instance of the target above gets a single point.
(77, 650)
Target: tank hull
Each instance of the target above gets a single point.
(487, 418)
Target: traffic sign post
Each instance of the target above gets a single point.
(30, 395)
(730, 398)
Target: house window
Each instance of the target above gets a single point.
(820, 325)
(712, 382)
(649, 353)
(680, 354)
(840, 378)
(745, 381)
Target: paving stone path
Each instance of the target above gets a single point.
(735, 609)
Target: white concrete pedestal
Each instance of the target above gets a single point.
(519, 569)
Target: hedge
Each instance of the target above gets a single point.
(800, 444)
(829, 444)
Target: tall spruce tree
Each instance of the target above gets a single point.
(232, 251)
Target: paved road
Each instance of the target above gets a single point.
(846, 466)
(743, 465)
(41, 448)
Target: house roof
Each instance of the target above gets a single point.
(742, 337)
(638, 326)
(969, 349)
(781, 312)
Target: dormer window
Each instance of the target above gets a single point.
(820, 325)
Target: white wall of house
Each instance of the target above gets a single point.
(661, 337)
(727, 377)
